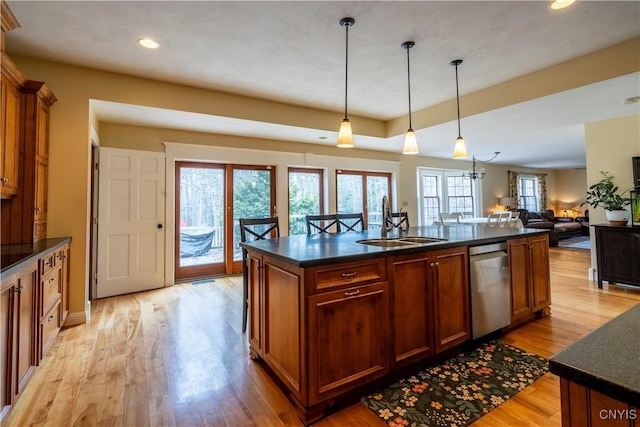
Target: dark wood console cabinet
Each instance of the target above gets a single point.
(618, 252)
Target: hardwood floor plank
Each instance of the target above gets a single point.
(177, 357)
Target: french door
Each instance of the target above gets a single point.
(359, 191)
(210, 200)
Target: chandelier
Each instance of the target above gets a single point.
(474, 173)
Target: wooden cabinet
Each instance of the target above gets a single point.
(451, 297)
(10, 122)
(585, 407)
(430, 292)
(32, 311)
(342, 324)
(411, 308)
(529, 276)
(36, 100)
(618, 252)
(327, 330)
(18, 352)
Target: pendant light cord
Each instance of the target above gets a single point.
(458, 103)
(409, 85)
(346, 71)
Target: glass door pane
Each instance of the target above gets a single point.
(253, 197)
(350, 193)
(200, 219)
(377, 187)
(305, 197)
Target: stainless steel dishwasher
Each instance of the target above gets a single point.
(490, 290)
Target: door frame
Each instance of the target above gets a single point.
(229, 265)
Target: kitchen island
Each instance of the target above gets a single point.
(331, 313)
(599, 375)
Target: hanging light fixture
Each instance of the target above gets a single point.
(345, 135)
(474, 173)
(410, 141)
(460, 149)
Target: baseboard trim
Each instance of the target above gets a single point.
(78, 318)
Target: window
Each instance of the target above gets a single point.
(445, 191)
(528, 191)
(305, 197)
(362, 192)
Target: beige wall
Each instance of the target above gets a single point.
(73, 125)
(571, 190)
(610, 145)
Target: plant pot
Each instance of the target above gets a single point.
(618, 217)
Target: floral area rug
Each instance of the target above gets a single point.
(460, 390)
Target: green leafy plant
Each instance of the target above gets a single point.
(605, 193)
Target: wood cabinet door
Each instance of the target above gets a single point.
(7, 311)
(10, 137)
(521, 306)
(451, 297)
(255, 301)
(540, 281)
(40, 196)
(412, 308)
(26, 326)
(348, 339)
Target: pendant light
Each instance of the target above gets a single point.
(460, 149)
(410, 141)
(345, 135)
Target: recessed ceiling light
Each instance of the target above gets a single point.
(148, 43)
(632, 100)
(561, 4)
(322, 137)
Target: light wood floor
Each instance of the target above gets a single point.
(177, 357)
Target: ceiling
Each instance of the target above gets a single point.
(293, 52)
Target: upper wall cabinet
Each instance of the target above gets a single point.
(10, 85)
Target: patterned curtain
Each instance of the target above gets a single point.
(542, 190)
(513, 178)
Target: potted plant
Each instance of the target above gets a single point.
(605, 193)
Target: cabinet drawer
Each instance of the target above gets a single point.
(39, 230)
(58, 257)
(50, 290)
(49, 328)
(354, 273)
(46, 264)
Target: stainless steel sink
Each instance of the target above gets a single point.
(421, 239)
(385, 242)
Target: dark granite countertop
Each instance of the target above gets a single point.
(15, 257)
(607, 360)
(323, 249)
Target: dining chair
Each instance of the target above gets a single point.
(318, 224)
(449, 218)
(400, 219)
(467, 215)
(350, 222)
(252, 229)
(498, 219)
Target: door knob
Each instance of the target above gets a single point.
(159, 225)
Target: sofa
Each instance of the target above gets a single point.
(564, 226)
(537, 221)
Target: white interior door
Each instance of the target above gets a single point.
(131, 230)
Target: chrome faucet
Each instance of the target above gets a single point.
(387, 220)
(402, 228)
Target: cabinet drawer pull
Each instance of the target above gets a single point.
(352, 293)
(434, 264)
(47, 264)
(4, 179)
(20, 289)
(53, 279)
(50, 318)
(349, 274)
